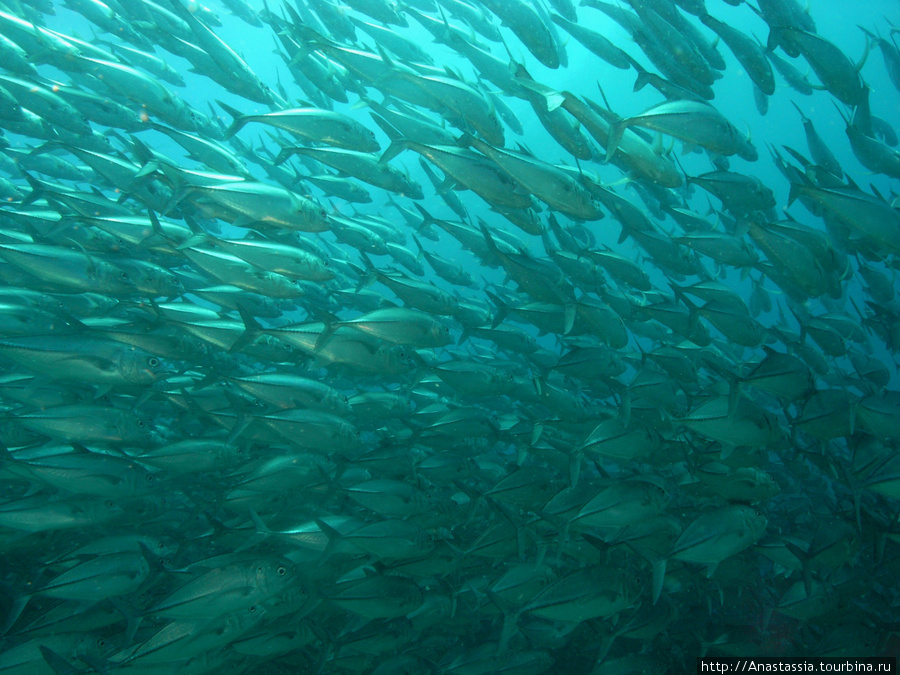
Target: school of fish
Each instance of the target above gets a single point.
(412, 356)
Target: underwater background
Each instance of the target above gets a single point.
(447, 337)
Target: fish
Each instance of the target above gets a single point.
(362, 165)
(46, 103)
(716, 535)
(818, 149)
(255, 202)
(691, 121)
(322, 126)
(838, 74)
(397, 325)
(747, 51)
(598, 43)
(469, 169)
(740, 194)
(545, 181)
(527, 24)
(867, 214)
(567, 387)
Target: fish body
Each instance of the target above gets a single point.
(691, 121)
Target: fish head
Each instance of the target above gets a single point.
(281, 350)
(753, 521)
(313, 215)
(425, 540)
(337, 402)
(656, 494)
(135, 429)
(748, 151)
(441, 334)
(112, 278)
(412, 189)
(163, 547)
(349, 437)
(313, 268)
(632, 584)
(273, 574)
(171, 284)
(182, 114)
(394, 359)
(142, 368)
(164, 282)
(207, 126)
(101, 647)
(84, 125)
(368, 142)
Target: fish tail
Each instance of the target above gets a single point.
(15, 611)
(774, 39)
(502, 309)
(388, 128)
(37, 189)
(326, 335)
(370, 275)
(659, 576)
(238, 119)
(419, 246)
(177, 197)
(395, 148)
(489, 240)
(642, 80)
(616, 129)
(284, 154)
(252, 329)
(427, 218)
(793, 193)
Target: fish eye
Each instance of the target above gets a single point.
(153, 362)
(101, 643)
(140, 423)
(123, 276)
(252, 609)
(281, 571)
